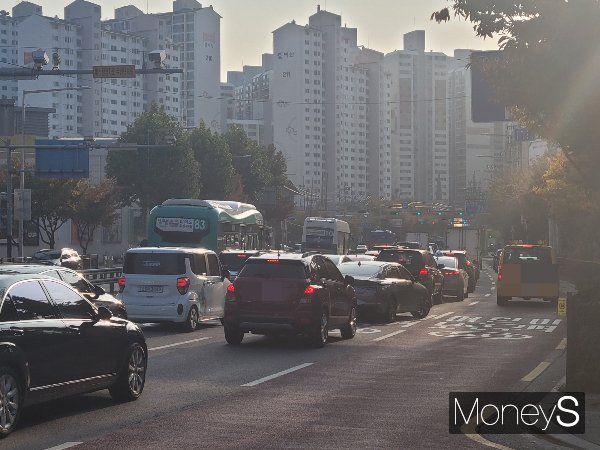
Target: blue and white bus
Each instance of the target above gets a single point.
(328, 235)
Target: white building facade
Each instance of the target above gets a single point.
(9, 51)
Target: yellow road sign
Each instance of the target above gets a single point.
(123, 71)
(562, 306)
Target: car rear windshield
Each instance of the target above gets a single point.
(234, 261)
(279, 268)
(408, 258)
(523, 255)
(449, 262)
(154, 263)
(360, 270)
(47, 255)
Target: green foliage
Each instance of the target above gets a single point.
(92, 206)
(148, 176)
(52, 201)
(216, 167)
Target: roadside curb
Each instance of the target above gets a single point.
(570, 439)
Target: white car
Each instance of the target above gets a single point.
(338, 259)
(169, 284)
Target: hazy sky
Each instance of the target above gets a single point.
(247, 24)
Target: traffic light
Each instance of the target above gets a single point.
(460, 213)
(418, 213)
(433, 222)
(439, 213)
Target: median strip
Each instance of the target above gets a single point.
(276, 375)
(178, 343)
(388, 335)
(536, 372)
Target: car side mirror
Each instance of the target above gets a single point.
(104, 313)
(349, 280)
(440, 266)
(99, 290)
(225, 274)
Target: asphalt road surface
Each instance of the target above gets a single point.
(386, 388)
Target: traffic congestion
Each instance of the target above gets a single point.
(173, 280)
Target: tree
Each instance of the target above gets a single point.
(548, 70)
(216, 167)
(148, 176)
(236, 189)
(52, 201)
(93, 206)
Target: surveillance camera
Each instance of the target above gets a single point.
(40, 58)
(157, 57)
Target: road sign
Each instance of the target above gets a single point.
(23, 204)
(123, 71)
(562, 306)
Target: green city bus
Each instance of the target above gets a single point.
(212, 224)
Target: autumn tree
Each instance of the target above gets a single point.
(93, 206)
(52, 202)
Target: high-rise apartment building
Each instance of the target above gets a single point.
(420, 122)
(191, 35)
(9, 39)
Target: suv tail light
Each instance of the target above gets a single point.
(499, 272)
(451, 272)
(309, 291)
(230, 295)
(423, 272)
(183, 284)
(121, 284)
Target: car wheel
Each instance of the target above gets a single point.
(192, 320)
(501, 301)
(233, 336)
(349, 330)
(390, 313)
(320, 332)
(131, 381)
(422, 312)
(470, 288)
(10, 400)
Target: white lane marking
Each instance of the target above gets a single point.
(433, 316)
(64, 446)
(493, 283)
(410, 324)
(562, 344)
(493, 288)
(276, 375)
(472, 304)
(381, 338)
(487, 295)
(178, 343)
(536, 372)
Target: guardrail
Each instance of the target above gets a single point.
(108, 276)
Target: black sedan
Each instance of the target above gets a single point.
(386, 289)
(54, 343)
(92, 292)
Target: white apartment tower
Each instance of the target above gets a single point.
(420, 125)
(297, 96)
(9, 39)
(53, 35)
(191, 37)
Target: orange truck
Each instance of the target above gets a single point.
(527, 271)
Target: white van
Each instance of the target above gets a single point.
(171, 284)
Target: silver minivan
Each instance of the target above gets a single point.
(171, 284)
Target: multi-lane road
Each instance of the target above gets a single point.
(386, 388)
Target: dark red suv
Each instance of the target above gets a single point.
(290, 294)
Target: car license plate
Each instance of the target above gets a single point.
(151, 289)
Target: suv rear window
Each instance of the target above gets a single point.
(407, 258)
(154, 263)
(524, 255)
(279, 269)
(234, 261)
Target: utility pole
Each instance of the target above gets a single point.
(9, 199)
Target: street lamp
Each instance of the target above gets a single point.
(22, 178)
